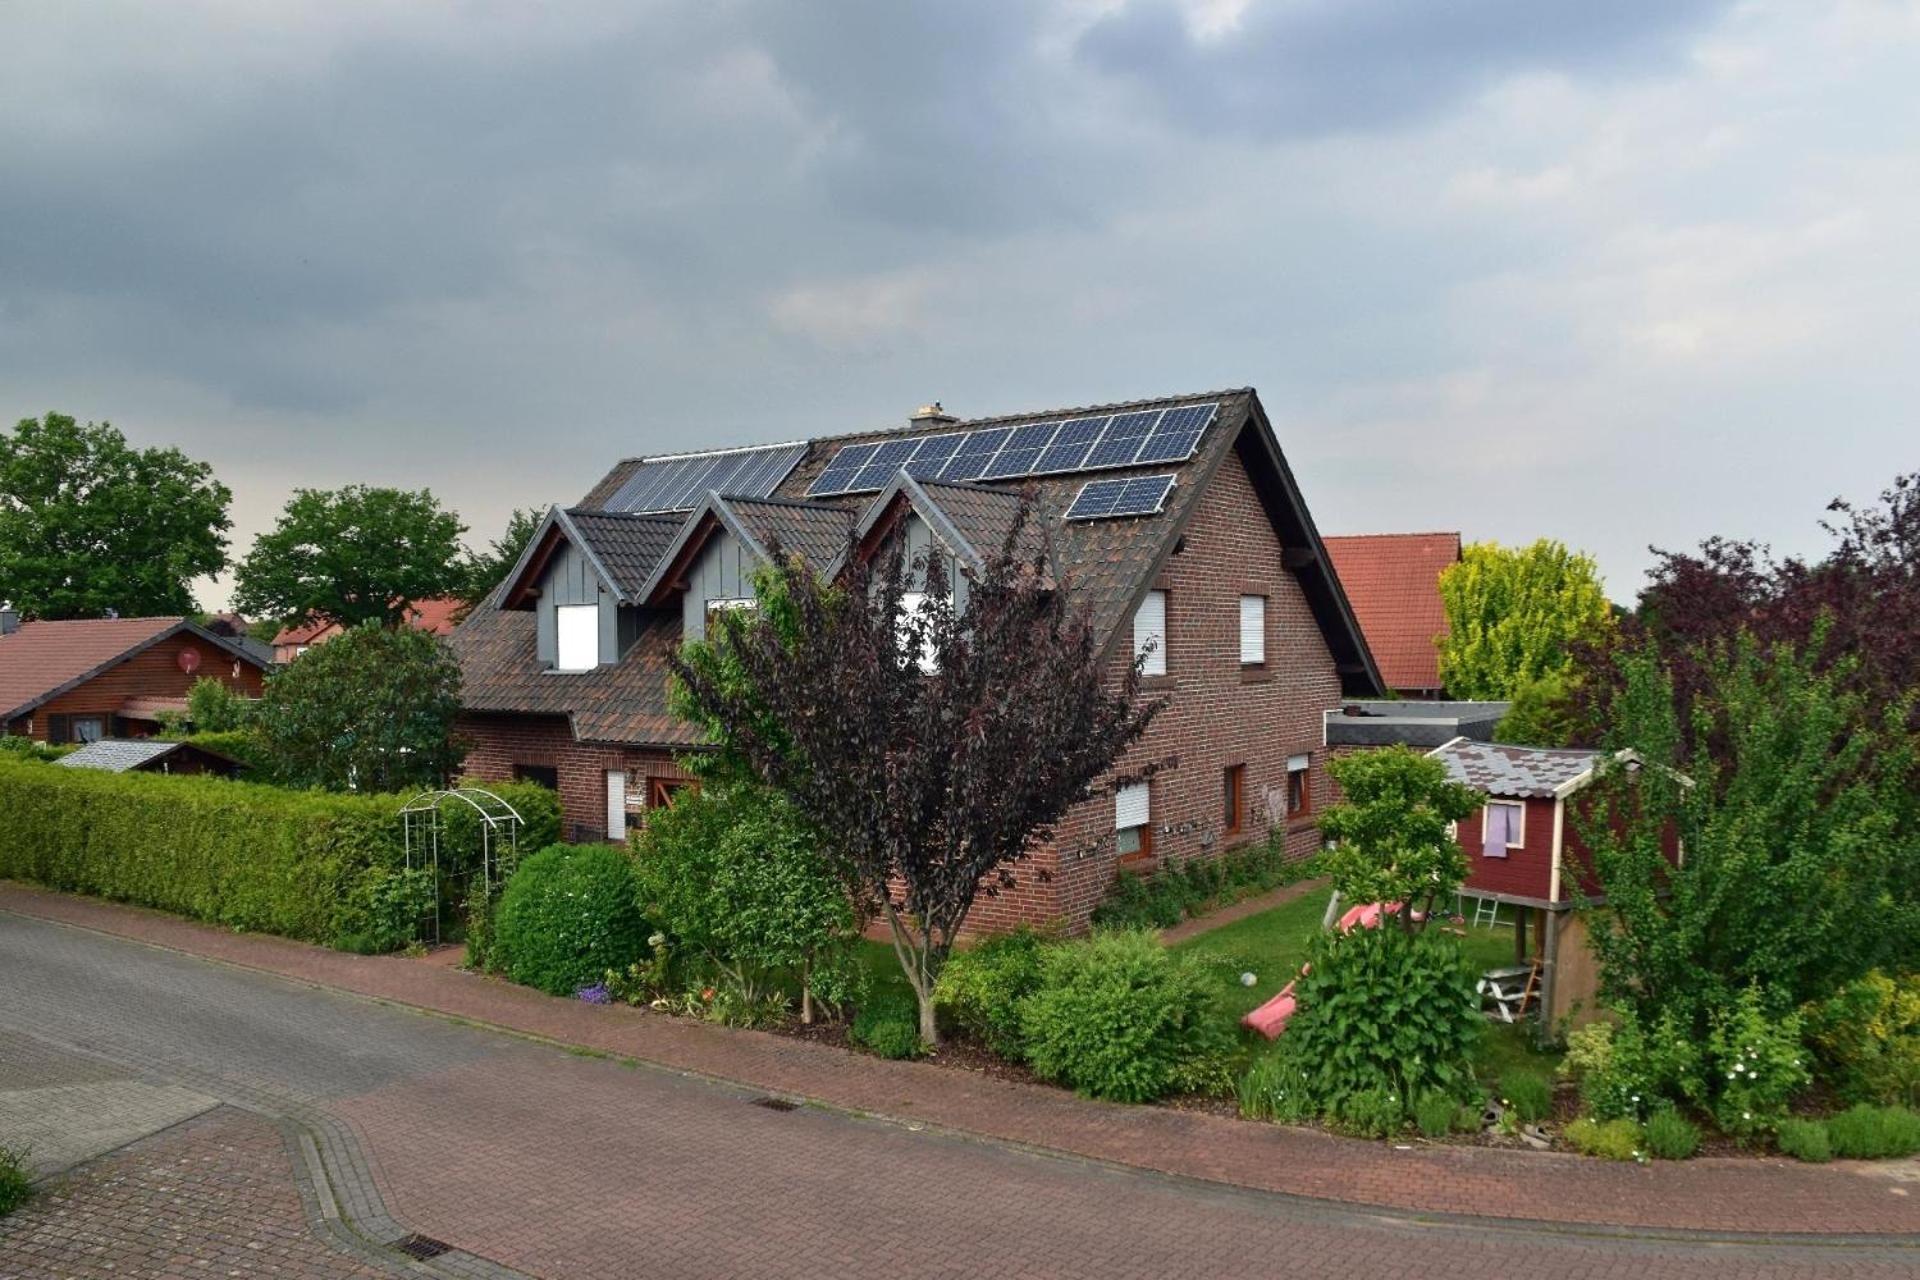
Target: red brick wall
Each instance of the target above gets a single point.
(1525, 872)
(503, 741)
(153, 673)
(1217, 714)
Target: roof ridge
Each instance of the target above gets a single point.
(776, 501)
(670, 517)
(1420, 533)
(971, 486)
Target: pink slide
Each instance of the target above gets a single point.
(1270, 1019)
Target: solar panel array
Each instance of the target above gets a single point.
(1134, 496)
(679, 484)
(1091, 443)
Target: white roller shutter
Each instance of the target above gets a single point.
(1150, 633)
(1253, 631)
(1130, 808)
(578, 626)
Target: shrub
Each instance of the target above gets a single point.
(1272, 1089)
(1866, 1132)
(1756, 1063)
(215, 707)
(1121, 1017)
(568, 915)
(734, 875)
(1383, 1010)
(1528, 1094)
(1164, 899)
(1867, 1036)
(890, 1027)
(1804, 1140)
(28, 749)
(982, 989)
(1671, 1136)
(1435, 1114)
(387, 907)
(1627, 1070)
(1609, 1139)
(16, 1185)
(1371, 1113)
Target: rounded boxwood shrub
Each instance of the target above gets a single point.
(890, 1026)
(1671, 1136)
(568, 915)
(1121, 1017)
(981, 990)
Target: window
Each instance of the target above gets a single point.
(1299, 786)
(1132, 819)
(89, 728)
(545, 774)
(579, 636)
(662, 792)
(1253, 631)
(717, 607)
(1503, 826)
(1150, 633)
(1234, 798)
(911, 603)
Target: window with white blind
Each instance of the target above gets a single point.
(578, 628)
(1150, 633)
(1253, 631)
(1133, 818)
(912, 604)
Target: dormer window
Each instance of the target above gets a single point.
(578, 627)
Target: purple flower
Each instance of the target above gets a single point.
(596, 994)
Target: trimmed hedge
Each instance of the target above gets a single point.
(302, 864)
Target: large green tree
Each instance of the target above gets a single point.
(1516, 614)
(372, 709)
(1391, 834)
(487, 569)
(353, 555)
(90, 524)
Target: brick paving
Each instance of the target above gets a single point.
(1725, 1195)
(212, 1197)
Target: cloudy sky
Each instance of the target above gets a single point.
(1613, 273)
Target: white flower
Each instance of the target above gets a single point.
(1746, 1115)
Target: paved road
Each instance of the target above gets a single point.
(558, 1165)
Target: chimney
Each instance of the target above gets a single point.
(931, 415)
(9, 620)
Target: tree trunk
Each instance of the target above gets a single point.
(806, 995)
(929, 1026)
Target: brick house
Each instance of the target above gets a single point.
(1177, 523)
(1393, 582)
(93, 678)
(435, 617)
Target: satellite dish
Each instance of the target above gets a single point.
(189, 660)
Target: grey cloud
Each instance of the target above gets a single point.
(1314, 67)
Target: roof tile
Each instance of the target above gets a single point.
(1392, 580)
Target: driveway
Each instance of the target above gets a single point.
(361, 1123)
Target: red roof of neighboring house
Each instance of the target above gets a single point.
(45, 658)
(1393, 582)
(433, 616)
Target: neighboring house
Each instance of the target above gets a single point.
(1525, 852)
(236, 628)
(1176, 522)
(94, 678)
(1393, 581)
(434, 616)
(149, 755)
(1385, 722)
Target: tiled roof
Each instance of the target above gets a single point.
(1106, 564)
(1502, 770)
(623, 702)
(816, 531)
(42, 658)
(434, 616)
(1393, 583)
(118, 755)
(628, 545)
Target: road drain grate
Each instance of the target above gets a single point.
(419, 1246)
(777, 1104)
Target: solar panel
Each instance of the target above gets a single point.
(1031, 449)
(1133, 496)
(678, 484)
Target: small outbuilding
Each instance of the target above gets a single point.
(150, 755)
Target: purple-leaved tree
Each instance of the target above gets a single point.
(937, 747)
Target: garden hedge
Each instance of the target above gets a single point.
(250, 856)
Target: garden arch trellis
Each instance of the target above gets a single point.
(423, 825)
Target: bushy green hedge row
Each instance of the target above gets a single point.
(303, 864)
(1172, 894)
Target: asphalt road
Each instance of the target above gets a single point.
(552, 1164)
